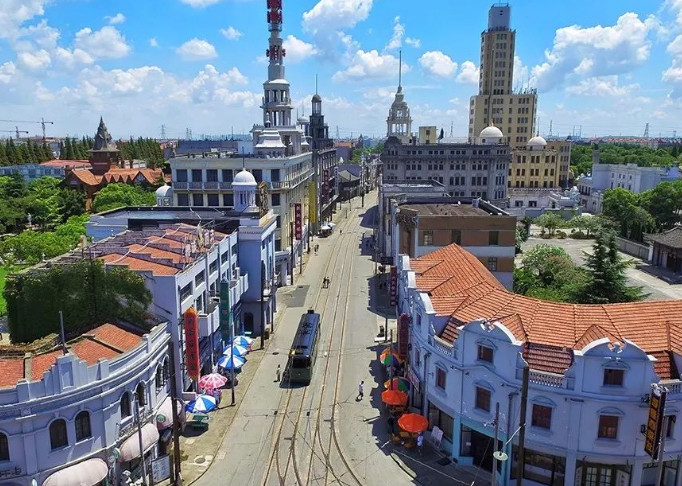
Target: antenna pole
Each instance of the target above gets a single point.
(400, 70)
(315, 83)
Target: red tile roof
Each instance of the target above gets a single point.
(460, 286)
(67, 164)
(86, 177)
(137, 264)
(11, 371)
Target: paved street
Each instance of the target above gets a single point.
(656, 288)
(323, 434)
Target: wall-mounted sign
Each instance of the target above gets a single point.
(325, 179)
(225, 311)
(160, 469)
(654, 425)
(394, 285)
(298, 221)
(192, 344)
(403, 335)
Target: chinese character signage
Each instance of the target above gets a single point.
(312, 206)
(225, 311)
(394, 286)
(192, 343)
(654, 425)
(325, 178)
(298, 221)
(403, 335)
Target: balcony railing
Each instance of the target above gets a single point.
(545, 378)
(196, 185)
(211, 185)
(673, 386)
(443, 347)
(180, 185)
(225, 185)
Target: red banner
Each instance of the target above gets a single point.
(192, 344)
(403, 335)
(325, 177)
(298, 221)
(394, 286)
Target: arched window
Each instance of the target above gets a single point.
(58, 437)
(125, 405)
(139, 395)
(166, 370)
(83, 426)
(158, 378)
(4, 448)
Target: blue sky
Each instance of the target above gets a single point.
(199, 64)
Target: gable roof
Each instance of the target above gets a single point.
(671, 238)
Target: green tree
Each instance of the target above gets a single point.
(607, 282)
(617, 205)
(70, 203)
(550, 222)
(68, 147)
(121, 195)
(12, 153)
(664, 203)
(3, 155)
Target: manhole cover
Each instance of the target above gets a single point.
(199, 460)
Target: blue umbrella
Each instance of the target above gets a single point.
(226, 363)
(238, 350)
(243, 341)
(203, 403)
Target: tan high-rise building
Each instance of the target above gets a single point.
(497, 103)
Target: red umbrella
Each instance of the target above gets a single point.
(413, 422)
(212, 381)
(394, 397)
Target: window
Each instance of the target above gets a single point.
(669, 431)
(199, 279)
(608, 427)
(276, 199)
(493, 238)
(440, 419)
(125, 405)
(83, 426)
(482, 399)
(196, 175)
(456, 237)
(211, 175)
(139, 395)
(158, 378)
(417, 357)
(274, 175)
(228, 200)
(258, 175)
(227, 175)
(213, 267)
(213, 200)
(613, 377)
(197, 199)
(492, 264)
(58, 437)
(542, 416)
(427, 238)
(485, 353)
(4, 448)
(186, 291)
(183, 199)
(440, 378)
(181, 175)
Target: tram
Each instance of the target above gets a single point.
(303, 349)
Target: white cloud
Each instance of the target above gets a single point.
(15, 12)
(119, 18)
(601, 86)
(231, 33)
(210, 85)
(7, 72)
(327, 22)
(396, 40)
(153, 42)
(469, 73)
(69, 60)
(200, 3)
(436, 63)
(106, 43)
(413, 42)
(521, 73)
(197, 49)
(370, 64)
(297, 50)
(595, 51)
(34, 61)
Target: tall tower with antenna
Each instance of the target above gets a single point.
(276, 100)
(399, 123)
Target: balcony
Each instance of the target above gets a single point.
(443, 347)
(544, 378)
(225, 185)
(180, 185)
(196, 185)
(673, 386)
(211, 185)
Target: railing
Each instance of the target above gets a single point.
(211, 185)
(443, 347)
(225, 185)
(544, 378)
(673, 386)
(180, 185)
(196, 185)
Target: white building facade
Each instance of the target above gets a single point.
(587, 404)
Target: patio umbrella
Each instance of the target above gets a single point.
(390, 358)
(225, 362)
(238, 350)
(212, 381)
(413, 422)
(399, 383)
(394, 397)
(203, 403)
(244, 341)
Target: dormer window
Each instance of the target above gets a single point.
(485, 353)
(613, 377)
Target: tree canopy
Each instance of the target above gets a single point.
(28, 152)
(611, 153)
(119, 195)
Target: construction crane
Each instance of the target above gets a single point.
(42, 124)
(16, 131)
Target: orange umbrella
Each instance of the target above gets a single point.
(413, 422)
(394, 397)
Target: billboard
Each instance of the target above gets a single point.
(192, 343)
(654, 425)
(403, 335)
(298, 221)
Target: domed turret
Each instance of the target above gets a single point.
(537, 143)
(164, 195)
(244, 186)
(244, 178)
(491, 135)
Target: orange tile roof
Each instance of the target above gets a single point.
(461, 287)
(175, 257)
(86, 177)
(117, 337)
(11, 371)
(137, 264)
(67, 164)
(41, 363)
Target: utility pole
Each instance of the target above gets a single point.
(522, 426)
(176, 419)
(61, 333)
(139, 438)
(293, 261)
(493, 481)
(262, 304)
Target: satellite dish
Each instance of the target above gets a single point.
(500, 456)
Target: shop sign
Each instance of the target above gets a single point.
(654, 425)
(225, 311)
(298, 221)
(394, 285)
(403, 335)
(325, 178)
(192, 344)
(413, 379)
(160, 469)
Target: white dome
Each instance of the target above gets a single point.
(164, 191)
(537, 141)
(244, 177)
(491, 132)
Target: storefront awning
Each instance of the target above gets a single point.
(164, 415)
(130, 449)
(86, 473)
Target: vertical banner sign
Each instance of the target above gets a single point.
(298, 221)
(654, 425)
(312, 203)
(225, 311)
(325, 178)
(403, 335)
(192, 343)
(394, 285)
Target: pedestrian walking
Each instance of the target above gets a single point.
(420, 442)
(361, 390)
(278, 373)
